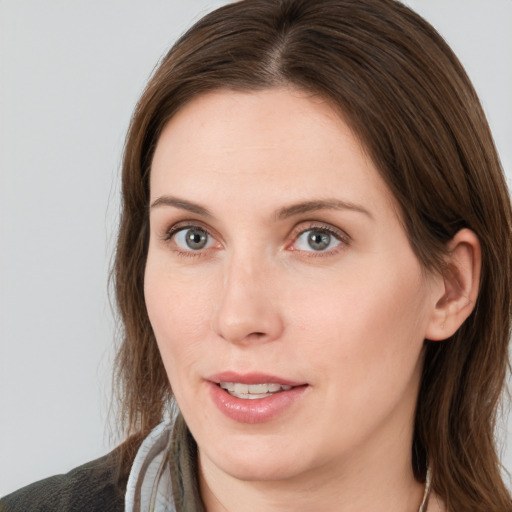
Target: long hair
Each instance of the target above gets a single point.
(404, 93)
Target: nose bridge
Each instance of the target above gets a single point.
(247, 309)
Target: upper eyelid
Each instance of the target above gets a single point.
(321, 226)
(176, 228)
(189, 224)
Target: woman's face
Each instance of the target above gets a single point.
(278, 268)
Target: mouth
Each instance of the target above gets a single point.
(253, 391)
(254, 397)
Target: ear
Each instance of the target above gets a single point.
(456, 297)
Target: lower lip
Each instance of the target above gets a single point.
(256, 410)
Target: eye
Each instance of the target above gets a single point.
(317, 240)
(191, 238)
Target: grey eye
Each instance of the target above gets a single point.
(192, 239)
(319, 241)
(316, 240)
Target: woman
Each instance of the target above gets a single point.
(314, 256)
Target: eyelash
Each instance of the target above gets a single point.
(174, 230)
(338, 234)
(342, 237)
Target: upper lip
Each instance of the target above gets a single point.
(252, 378)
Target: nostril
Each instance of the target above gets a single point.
(257, 335)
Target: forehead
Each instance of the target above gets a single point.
(290, 141)
(254, 118)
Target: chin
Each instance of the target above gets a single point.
(257, 471)
(257, 460)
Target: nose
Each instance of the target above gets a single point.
(247, 309)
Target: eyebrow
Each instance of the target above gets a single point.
(182, 204)
(281, 214)
(321, 204)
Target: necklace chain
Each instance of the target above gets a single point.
(428, 480)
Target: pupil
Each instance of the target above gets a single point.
(318, 241)
(196, 239)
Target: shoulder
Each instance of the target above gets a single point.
(95, 486)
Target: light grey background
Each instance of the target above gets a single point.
(70, 74)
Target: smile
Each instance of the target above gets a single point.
(254, 397)
(252, 391)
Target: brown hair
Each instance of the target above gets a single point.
(407, 97)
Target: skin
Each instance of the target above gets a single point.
(350, 320)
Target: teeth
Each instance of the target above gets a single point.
(256, 389)
(241, 389)
(252, 391)
(228, 386)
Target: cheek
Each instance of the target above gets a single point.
(364, 343)
(366, 318)
(368, 323)
(179, 316)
